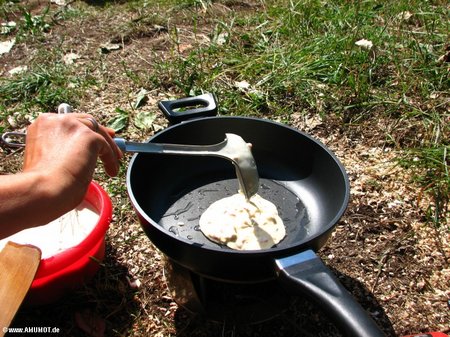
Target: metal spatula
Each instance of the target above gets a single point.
(233, 148)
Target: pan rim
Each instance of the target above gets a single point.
(279, 251)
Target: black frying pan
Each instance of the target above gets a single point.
(297, 173)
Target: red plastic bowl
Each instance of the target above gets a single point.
(71, 268)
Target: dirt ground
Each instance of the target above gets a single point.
(383, 251)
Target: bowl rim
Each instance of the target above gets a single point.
(97, 197)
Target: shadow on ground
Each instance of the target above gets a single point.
(106, 302)
(300, 318)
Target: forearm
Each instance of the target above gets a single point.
(29, 199)
(55, 175)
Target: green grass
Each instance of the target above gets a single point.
(292, 53)
(301, 57)
(42, 87)
(296, 56)
(27, 23)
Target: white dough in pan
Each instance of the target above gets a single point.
(243, 224)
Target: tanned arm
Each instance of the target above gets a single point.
(60, 158)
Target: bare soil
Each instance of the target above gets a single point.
(383, 250)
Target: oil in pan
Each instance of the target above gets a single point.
(182, 217)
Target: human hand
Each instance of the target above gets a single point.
(67, 147)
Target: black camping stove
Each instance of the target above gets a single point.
(221, 301)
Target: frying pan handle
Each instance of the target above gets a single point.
(307, 274)
(183, 109)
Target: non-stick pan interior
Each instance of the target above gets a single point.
(297, 173)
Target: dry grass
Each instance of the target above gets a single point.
(383, 250)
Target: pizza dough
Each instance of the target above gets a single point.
(243, 224)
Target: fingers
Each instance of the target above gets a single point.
(65, 149)
(110, 131)
(106, 148)
(109, 153)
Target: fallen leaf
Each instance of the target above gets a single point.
(446, 56)
(365, 44)
(59, 2)
(140, 98)
(108, 47)
(221, 38)
(119, 121)
(18, 70)
(7, 27)
(5, 46)
(144, 120)
(70, 58)
(242, 84)
(404, 16)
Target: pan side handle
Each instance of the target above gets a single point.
(306, 274)
(194, 107)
